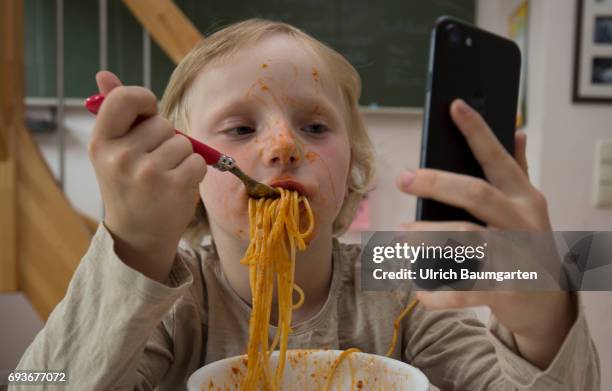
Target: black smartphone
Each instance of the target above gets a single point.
(481, 68)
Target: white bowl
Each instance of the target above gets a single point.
(307, 370)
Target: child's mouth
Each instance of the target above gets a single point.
(290, 184)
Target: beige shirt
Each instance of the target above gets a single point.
(119, 330)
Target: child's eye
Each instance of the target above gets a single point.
(240, 131)
(315, 128)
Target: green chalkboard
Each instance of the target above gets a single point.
(386, 41)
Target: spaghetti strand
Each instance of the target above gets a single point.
(274, 235)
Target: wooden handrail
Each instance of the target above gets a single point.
(168, 26)
(11, 114)
(3, 147)
(52, 235)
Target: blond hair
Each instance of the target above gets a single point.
(221, 45)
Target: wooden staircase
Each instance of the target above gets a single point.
(42, 237)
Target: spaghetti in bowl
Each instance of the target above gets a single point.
(309, 370)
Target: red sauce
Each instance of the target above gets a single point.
(315, 74)
(310, 156)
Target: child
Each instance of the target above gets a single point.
(140, 315)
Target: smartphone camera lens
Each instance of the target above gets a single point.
(455, 37)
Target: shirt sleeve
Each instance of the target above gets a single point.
(564, 371)
(457, 352)
(107, 332)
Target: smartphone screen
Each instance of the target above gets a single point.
(481, 68)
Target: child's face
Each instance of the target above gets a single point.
(275, 108)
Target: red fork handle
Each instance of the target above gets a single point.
(209, 154)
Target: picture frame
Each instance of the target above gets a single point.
(593, 52)
(518, 31)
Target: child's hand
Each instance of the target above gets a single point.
(148, 177)
(539, 321)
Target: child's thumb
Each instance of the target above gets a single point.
(107, 81)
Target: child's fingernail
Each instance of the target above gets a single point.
(406, 179)
(463, 107)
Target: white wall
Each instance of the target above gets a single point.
(564, 133)
(79, 182)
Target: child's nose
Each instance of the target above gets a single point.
(282, 148)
